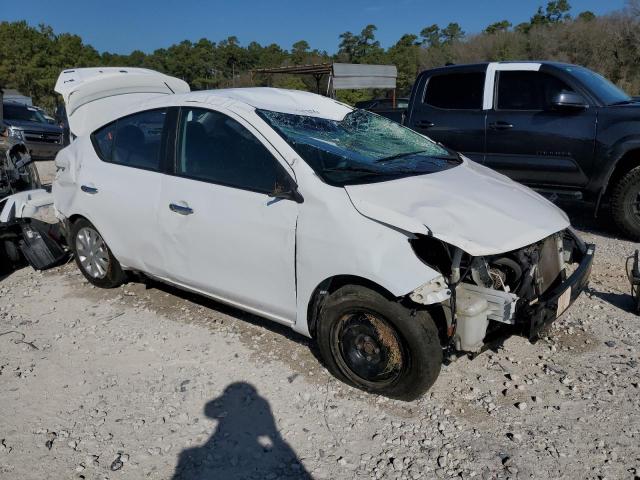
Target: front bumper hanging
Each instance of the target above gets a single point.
(554, 302)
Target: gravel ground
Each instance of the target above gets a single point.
(145, 381)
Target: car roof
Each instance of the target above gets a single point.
(484, 65)
(275, 99)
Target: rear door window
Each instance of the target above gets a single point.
(455, 91)
(526, 90)
(133, 141)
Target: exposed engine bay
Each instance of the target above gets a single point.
(524, 288)
(29, 231)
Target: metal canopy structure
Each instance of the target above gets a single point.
(342, 76)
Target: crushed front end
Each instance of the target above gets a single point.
(521, 290)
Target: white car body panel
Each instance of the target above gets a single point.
(269, 256)
(126, 203)
(37, 204)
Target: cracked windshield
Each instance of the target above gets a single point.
(360, 148)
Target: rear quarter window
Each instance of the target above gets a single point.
(103, 141)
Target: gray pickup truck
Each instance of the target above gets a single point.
(27, 124)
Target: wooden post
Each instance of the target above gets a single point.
(318, 77)
(393, 97)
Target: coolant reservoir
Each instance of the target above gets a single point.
(472, 315)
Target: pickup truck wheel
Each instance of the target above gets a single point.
(378, 345)
(93, 256)
(625, 204)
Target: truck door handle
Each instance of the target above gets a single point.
(425, 124)
(500, 125)
(181, 209)
(88, 189)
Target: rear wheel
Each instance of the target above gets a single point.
(377, 344)
(625, 204)
(93, 256)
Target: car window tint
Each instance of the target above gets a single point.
(456, 91)
(22, 113)
(138, 138)
(103, 141)
(215, 148)
(520, 90)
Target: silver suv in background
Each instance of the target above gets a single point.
(27, 124)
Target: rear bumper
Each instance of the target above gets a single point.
(555, 302)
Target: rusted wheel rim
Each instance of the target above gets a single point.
(369, 347)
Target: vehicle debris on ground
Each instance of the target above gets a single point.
(29, 230)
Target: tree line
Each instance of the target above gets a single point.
(32, 57)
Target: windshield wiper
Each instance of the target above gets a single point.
(399, 155)
(353, 168)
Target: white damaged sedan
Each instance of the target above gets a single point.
(384, 246)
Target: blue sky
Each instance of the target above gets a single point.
(122, 26)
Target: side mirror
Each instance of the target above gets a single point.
(287, 190)
(569, 101)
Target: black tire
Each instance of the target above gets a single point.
(625, 204)
(113, 275)
(377, 344)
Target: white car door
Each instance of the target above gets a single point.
(222, 233)
(120, 189)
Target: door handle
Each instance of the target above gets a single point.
(88, 189)
(425, 124)
(181, 209)
(500, 125)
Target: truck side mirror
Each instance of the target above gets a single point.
(569, 101)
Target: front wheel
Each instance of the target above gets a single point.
(93, 256)
(378, 345)
(625, 204)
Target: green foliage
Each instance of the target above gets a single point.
(586, 16)
(452, 33)
(431, 36)
(502, 26)
(32, 57)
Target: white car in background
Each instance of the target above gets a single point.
(384, 246)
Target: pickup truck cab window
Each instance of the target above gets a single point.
(455, 91)
(607, 92)
(360, 148)
(528, 90)
(215, 148)
(132, 141)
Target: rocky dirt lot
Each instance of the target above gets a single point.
(148, 382)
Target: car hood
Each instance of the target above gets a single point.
(34, 126)
(469, 206)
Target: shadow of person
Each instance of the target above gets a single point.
(245, 445)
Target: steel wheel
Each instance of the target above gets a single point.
(369, 347)
(92, 252)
